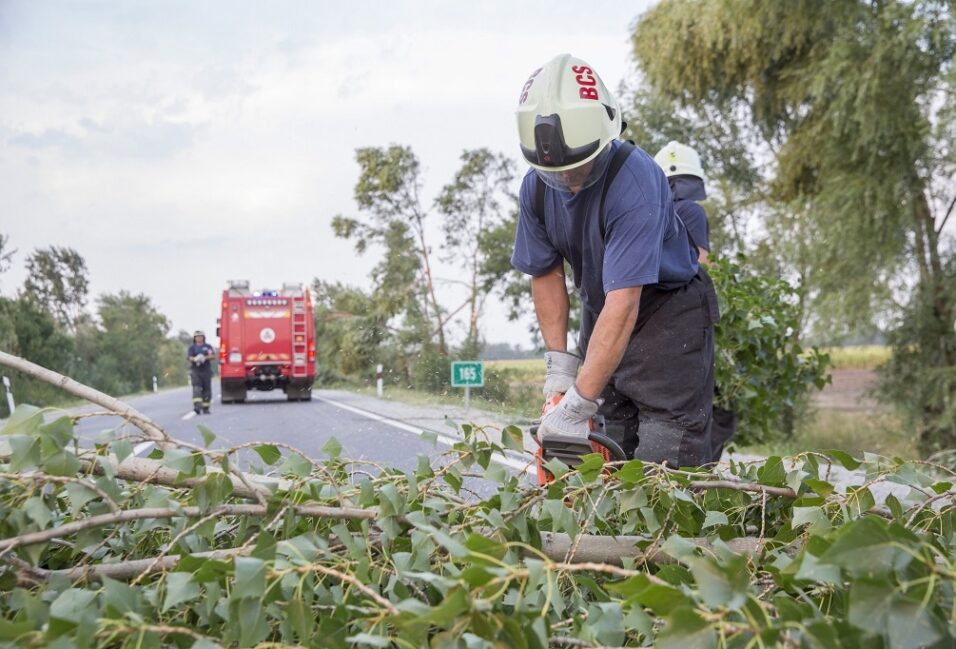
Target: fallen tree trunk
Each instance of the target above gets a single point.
(589, 549)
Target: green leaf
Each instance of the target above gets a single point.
(820, 487)
(713, 519)
(512, 437)
(631, 472)
(772, 472)
(25, 452)
(685, 629)
(390, 502)
(895, 506)
(265, 547)
(724, 586)
(453, 479)
(62, 463)
(556, 467)
(253, 627)
(495, 473)
(452, 605)
(660, 598)
(79, 495)
(25, 420)
(590, 466)
(37, 510)
(869, 547)
(296, 465)
(250, 577)
(180, 460)
(59, 431)
(429, 436)
(877, 606)
(214, 489)
(208, 437)
(843, 458)
(180, 588)
(269, 453)
(482, 547)
(815, 517)
(332, 448)
(72, 604)
(301, 618)
(122, 449)
(119, 598)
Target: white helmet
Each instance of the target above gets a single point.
(566, 121)
(678, 159)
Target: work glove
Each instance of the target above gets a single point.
(570, 420)
(561, 369)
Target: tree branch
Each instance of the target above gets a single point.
(155, 513)
(65, 383)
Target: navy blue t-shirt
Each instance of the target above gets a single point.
(196, 349)
(645, 244)
(687, 190)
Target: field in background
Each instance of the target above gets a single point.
(858, 357)
(844, 415)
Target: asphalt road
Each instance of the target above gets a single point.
(267, 416)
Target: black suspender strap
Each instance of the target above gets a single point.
(539, 188)
(617, 162)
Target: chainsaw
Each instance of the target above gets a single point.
(571, 454)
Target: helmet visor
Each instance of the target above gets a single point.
(580, 177)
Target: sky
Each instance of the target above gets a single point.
(177, 144)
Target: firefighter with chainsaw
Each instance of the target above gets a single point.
(648, 311)
(199, 356)
(685, 174)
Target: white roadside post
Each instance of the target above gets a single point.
(155, 385)
(379, 380)
(9, 391)
(468, 375)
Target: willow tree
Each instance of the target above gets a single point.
(476, 202)
(858, 95)
(388, 193)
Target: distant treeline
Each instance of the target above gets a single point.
(118, 347)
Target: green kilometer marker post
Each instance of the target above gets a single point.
(468, 375)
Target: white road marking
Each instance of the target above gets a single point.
(142, 447)
(188, 415)
(506, 460)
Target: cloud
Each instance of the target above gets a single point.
(177, 145)
(114, 140)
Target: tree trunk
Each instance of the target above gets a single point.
(430, 284)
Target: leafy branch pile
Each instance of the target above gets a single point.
(101, 548)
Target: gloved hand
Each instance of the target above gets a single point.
(569, 421)
(561, 371)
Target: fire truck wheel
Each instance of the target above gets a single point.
(299, 393)
(233, 395)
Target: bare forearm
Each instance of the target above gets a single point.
(552, 306)
(608, 341)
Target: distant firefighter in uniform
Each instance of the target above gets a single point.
(199, 356)
(681, 165)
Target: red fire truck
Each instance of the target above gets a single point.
(266, 341)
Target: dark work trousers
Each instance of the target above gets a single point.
(201, 378)
(659, 401)
(722, 430)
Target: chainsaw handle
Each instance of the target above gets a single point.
(617, 452)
